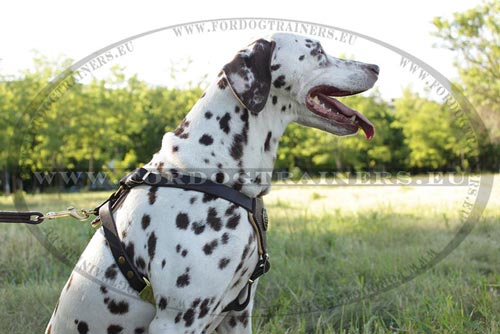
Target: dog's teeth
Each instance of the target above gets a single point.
(353, 118)
(315, 99)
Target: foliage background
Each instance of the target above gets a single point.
(115, 124)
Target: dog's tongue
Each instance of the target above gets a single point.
(362, 121)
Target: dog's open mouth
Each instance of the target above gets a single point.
(321, 102)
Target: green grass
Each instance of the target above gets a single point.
(327, 244)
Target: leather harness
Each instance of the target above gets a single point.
(254, 205)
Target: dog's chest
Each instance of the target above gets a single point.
(180, 235)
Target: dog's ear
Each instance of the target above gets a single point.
(249, 74)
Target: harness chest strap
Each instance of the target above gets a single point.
(256, 212)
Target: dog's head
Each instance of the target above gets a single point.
(297, 70)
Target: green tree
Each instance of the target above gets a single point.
(475, 37)
(433, 135)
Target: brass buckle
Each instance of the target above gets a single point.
(147, 294)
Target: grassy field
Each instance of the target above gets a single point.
(327, 245)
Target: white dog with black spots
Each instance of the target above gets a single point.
(198, 251)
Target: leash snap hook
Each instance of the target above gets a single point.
(69, 212)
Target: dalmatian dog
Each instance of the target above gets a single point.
(197, 250)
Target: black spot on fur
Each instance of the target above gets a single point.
(208, 115)
(140, 263)
(162, 304)
(206, 140)
(184, 252)
(232, 321)
(238, 282)
(283, 108)
(178, 317)
(204, 308)
(288, 89)
(111, 272)
(208, 198)
(140, 330)
(244, 119)
(212, 220)
(233, 221)
(301, 58)
(120, 307)
(189, 317)
(237, 146)
(224, 123)
(238, 268)
(316, 50)
(163, 262)
(192, 200)
(152, 194)
(181, 129)
(178, 248)
(275, 100)
(198, 228)
(222, 83)
(267, 144)
(146, 219)
(209, 247)
(82, 327)
(152, 245)
(275, 67)
(243, 318)
(196, 302)
(183, 280)
(223, 263)
(224, 239)
(245, 252)
(279, 82)
(182, 221)
(160, 167)
(231, 209)
(103, 289)
(114, 329)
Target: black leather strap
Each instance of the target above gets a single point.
(188, 182)
(30, 217)
(124, 263)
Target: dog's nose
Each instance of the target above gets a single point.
(374, 68)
